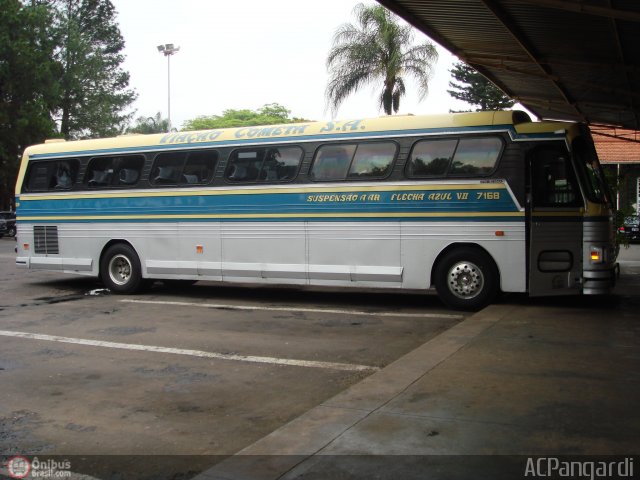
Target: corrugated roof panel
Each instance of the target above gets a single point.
(566, 59)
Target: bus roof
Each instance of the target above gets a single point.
(517, 120)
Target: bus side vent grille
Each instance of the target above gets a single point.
(45, 239)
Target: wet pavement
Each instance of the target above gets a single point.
(527, 377)
(195, 374)
(423, 393)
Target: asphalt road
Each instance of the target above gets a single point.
(202, 371)
(195, 375)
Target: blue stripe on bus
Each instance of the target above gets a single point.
(426, 201)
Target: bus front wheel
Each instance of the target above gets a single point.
(466, 279)
(120, 269)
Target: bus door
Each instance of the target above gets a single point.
(555, 209)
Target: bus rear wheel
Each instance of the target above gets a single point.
(466, 279)
(120, 269)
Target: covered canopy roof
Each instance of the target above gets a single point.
(562, 59)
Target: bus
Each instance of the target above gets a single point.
(472, 204)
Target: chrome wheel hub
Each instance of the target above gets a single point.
(465, 280)
(120, 269)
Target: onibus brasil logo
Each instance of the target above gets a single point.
(21, 467)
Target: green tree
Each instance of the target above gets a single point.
(28, 85)
(269, 114)
(476, 90)
(145, 125)
(380, 50)
(95, 89)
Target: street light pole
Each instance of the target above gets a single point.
(167, 50)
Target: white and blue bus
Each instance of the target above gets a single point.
(471, 204)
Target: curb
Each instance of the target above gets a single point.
(277, 453)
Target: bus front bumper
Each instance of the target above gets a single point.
(600, 282)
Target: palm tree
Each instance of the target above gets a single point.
(378, 49)
(145, 125)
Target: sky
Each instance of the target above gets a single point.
(246, 53)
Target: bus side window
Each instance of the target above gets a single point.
(373, 160)
(183, 168)
(244, 165)
(332, 162)
(167, 168)
(430, 158)
(38, 177)
(114, 171)
(265, 165)
(51, 175)
(99, 172)
(66, 172)
(476, 156)
(281, 164)
(199, 167)
(129, 176)
(129, 169)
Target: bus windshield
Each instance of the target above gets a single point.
(590, 171)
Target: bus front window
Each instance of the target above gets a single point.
(590, 171)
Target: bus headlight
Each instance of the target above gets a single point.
(596, 255)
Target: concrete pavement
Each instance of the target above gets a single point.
(524, 377)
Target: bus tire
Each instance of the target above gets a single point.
(466, 278)
(120, 269)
